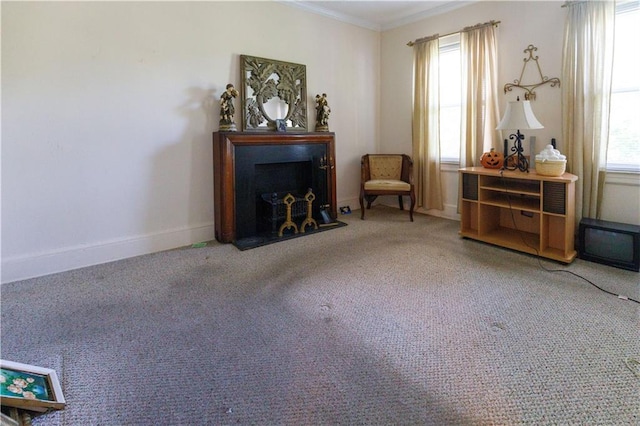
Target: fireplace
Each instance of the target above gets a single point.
(280, 169)
(250, 167)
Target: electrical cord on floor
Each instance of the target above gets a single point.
(633, 365)
(538, 257)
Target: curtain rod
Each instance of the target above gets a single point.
(423, 39)
(571, 3)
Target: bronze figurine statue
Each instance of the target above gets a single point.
(227, 110)
(322, 113)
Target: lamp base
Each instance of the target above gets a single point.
(515, 160)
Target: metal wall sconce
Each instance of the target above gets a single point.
(529, 88)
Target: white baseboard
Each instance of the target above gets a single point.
(354, 203)
(45, 263)
(449, 212)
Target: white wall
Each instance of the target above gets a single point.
(522, 23)
(108, 110)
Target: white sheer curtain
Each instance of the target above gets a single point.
(480, 111)
(586, 89)
(426, 124)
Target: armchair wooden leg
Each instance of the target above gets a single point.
(370, 199)
(413, 204)
(400, 202)
(361, 205)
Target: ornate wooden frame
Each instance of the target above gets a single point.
(264, 80)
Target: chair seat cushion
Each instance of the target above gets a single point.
(386, 185)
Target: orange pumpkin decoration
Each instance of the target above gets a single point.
(492, 159)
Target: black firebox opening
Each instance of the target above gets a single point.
(280, 169)
(280, 179)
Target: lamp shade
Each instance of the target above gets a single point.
(518, 116)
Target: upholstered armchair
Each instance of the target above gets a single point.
(386, 174)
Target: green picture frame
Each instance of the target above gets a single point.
(30, 387)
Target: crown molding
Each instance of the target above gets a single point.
(438, 10)
(376, 26)
(349, 19)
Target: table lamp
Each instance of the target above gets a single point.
(518, 115)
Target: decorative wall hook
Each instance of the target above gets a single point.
(529, 88)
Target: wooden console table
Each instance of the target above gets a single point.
(245, 149)
(527, 212)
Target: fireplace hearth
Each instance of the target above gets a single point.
(250, 166)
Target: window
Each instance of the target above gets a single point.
(624, 127)
(450, 98)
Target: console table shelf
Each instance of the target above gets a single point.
(527, 212)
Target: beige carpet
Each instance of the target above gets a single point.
(383, 321)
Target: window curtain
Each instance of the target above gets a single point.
(480, 111)
(586, 89)
(426, 124)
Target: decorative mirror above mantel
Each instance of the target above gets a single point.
(271, 91)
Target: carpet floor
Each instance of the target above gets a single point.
(383, 321)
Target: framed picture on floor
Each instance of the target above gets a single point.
(30, 387)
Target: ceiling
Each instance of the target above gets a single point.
(378, 15)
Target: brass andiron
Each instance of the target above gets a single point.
(288, 200)
(309, 220)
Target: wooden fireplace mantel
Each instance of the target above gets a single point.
(224, 160)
